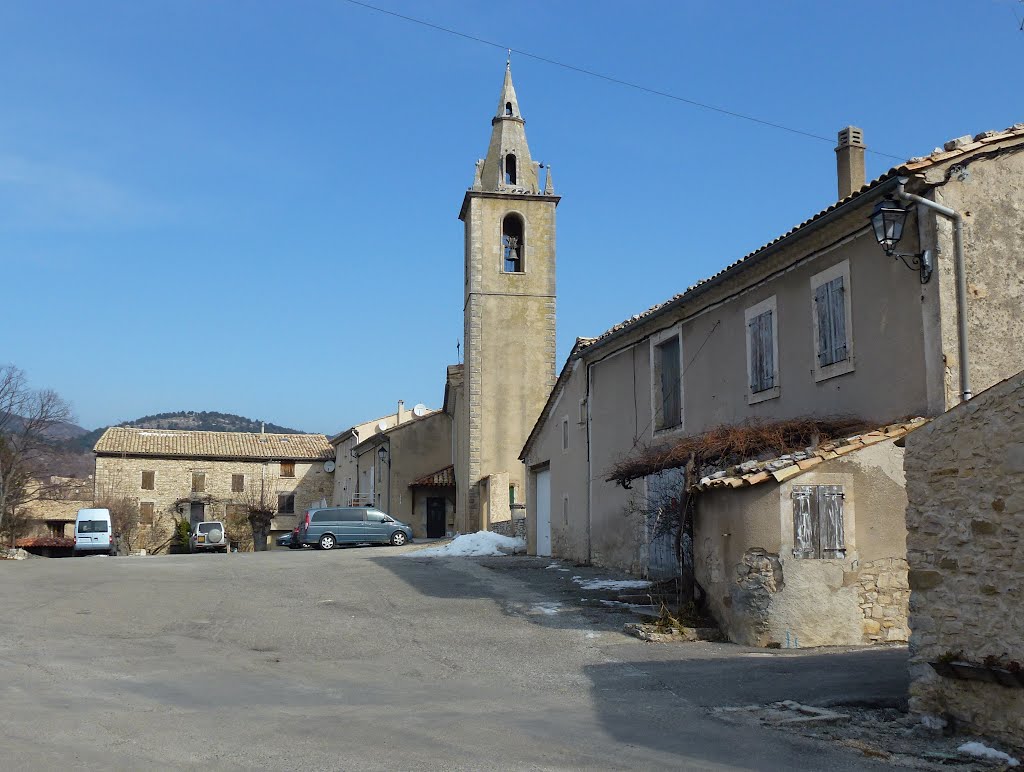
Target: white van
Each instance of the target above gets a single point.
(93, 534)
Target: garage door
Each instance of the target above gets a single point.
(543, 488)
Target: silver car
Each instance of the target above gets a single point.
(210, 536)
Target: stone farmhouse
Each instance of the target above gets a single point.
(965, 484)
(817, 324)
(199, 475)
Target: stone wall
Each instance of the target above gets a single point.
(965, 518)
(515, 527)
(884, 594)
(172, 493)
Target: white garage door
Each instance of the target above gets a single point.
(543, 488)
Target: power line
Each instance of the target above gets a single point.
(609, 78)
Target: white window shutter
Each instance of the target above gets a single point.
(805, 521)
(830, 509)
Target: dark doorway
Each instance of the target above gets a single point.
(197, 514)
(435, 517)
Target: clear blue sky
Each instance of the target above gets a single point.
(252, 207)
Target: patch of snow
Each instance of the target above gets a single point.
(553, 565)
(564, 569)
(547, 608)
(610, 584)
(479, 544)
(593, 635)
(934, 723)
(984, 752)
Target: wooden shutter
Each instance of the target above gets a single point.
(821, 306)
(198, 482)
(146, 512)
(837, 315)
(287, 468)
(762, 353)
(237, 483)
(805, 521)
(148, 481)
(830, 513)
(671, 386)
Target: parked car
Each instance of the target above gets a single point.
(327, 527)
(94, 533)
(209, 537)
(290, 539)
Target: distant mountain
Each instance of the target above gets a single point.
(206, 421)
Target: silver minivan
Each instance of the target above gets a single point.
(326, 527)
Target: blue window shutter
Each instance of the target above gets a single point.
(821, 305)
(837, 310)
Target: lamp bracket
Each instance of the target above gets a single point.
(922, 263)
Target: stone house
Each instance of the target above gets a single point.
(198, 475)
(345, 483)
(406, 471)
(54, 503)
(965, 548)
(817, 323)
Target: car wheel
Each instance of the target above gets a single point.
(327, 542)
(398, 538)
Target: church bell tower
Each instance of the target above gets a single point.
(509, 318)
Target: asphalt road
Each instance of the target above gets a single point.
(371, 658)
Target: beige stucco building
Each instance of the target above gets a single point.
(197, 476)
(509, 318)
(965, 547)
(817, 323)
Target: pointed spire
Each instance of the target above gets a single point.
(508, 166)
(549, 184)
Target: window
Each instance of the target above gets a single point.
(510, 169)
(508, 108)
(513, 243)
(287, 468)
(833, 345)
(565, 434)
(511, 495)
(237, 483)
(667, 385)
(373, 516)
(146, 512)
(148, 481)
(762, 351)
(286, 503)
(198, 482)
(352, 515)
(818, 529)
(92, 526)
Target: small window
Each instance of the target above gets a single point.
(352, 515)
(237, 483)
(373, 516)
(287, 468)
(511, 495)
(513, 244)
(92, 526)
(668, 405)
(148, 481)
(286, 503)
(146, 513)
(565, 434)
(510, 169)
(818, 529)
(508, 109)
(198, 482)
(762, 351)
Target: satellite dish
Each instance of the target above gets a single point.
(328, 466)
(382, 426)
(420, 410)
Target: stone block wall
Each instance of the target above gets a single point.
(965, 518)
(172, 492)
(884, 594)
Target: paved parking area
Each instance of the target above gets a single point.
(372, 658)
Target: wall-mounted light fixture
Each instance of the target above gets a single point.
(887, 220)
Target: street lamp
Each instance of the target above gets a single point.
(887, 220)
(382, 454)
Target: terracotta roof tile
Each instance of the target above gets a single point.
(443, 478)
(792, 464)
(169, 443)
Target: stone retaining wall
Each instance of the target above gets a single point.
(965, 518)
(514, 527)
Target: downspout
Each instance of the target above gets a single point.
(590, 474)
(961, 275)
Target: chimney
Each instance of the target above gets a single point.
(850, 161)
(401, 407)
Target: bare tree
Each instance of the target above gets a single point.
(27, 448)
(260, 500)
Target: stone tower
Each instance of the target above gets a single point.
(509, 318)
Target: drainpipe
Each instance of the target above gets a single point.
(961, 275)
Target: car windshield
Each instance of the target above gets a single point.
(92, 526)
